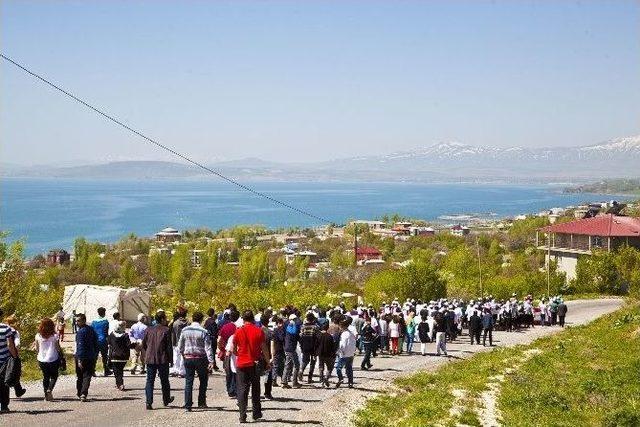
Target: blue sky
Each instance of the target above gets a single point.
(304, 81)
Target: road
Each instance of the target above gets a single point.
(310, 405)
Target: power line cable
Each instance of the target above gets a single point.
(162, 146)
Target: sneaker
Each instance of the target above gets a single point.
(83, 398)
(350, 385)
(297, 385)
(21, 392)
(339, 383)
(326, 384)
(168, 402)
(149, 407)
(285, 385)
(310, 381)
(257, 416)
(268, 396)
(48, 396)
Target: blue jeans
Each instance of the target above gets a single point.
(163, 372)
(230, 377)
(192, 367)
(409, 338)
(347, 363)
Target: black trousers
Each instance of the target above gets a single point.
(49, 374)
(561, 320)
(103, 350)
(475, 335)
(83, 375)
(308, 359)
(248, 378)
(118, 371)
(4, 390)
(484, 336)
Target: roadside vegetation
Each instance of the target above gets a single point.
(585, 376)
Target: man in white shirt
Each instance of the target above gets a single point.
(346, 352)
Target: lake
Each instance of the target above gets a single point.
(51, 213)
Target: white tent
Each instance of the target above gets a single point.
(88, 298)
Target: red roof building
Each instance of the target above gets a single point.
(365, 253)
(565, 242)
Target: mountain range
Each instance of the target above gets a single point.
(441, 162)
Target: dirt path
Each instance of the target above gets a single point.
(310, 405)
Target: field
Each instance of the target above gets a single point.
(588, 375)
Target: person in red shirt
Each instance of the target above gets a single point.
(251, 349)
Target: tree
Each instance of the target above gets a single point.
(254, 268)
(180, 269)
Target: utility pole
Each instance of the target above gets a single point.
(355, 242)
(479, 267)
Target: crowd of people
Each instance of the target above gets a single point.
(262, 350)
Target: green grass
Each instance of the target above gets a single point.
(31, 369)
(587, 375)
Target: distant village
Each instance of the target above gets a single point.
(571, 232)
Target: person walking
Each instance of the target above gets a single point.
(250, 348)
(562, 312)
(195, 347)
(211, 325)
(326, 353)
(101, 328)
(277, 350)
(423, 333)
(225, 333)
(441, 332)
(394, 334)
(308, 337)
(49, 354)
(158, 356)
(487, 327)
(178, 324)
(7, 349)
(12, 321)
(367, 338)
(291, 362)
(119, 352)
(346, 352)
(60, 323)
(86, 355)
(411, 331)
(136, 336)
(475, 327)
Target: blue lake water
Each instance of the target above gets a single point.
(51, 213)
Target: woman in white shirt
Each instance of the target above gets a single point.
(49, 355)
(394, 334)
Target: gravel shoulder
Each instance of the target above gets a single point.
(310, 405)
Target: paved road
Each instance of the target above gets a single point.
(307, 406)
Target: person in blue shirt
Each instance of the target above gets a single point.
(101, 328)
(85, 357)
(291, 362)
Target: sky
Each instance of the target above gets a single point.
(314, 80)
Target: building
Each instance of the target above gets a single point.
(460, 230)
(373, 225)
(366, 253)
(421, 231)
(58, 257)
(168, 235)
(565, 243)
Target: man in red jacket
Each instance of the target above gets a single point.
(250, 348)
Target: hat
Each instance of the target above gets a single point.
(140, 317)
(292, 316)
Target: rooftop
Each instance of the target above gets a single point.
(607, 225)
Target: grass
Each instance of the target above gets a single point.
(31, 369)
(588, 375)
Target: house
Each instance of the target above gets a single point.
(460, 230)
(58, 257)
(373, 225)
(565, 243)
(421, 231)
(168, 235)
(365, 253)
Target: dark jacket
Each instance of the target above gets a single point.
(176, 329)
(278, 340)
(423, 331)
(211, 326)
(291, 338)
(562, 309)
(475, 322)
(86, 343)
(325, 345)
(157, 345)
(308, 336)
(441, 323)
(487, 321)
(119, 347)
(367, 333)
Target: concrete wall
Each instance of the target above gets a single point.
(567, 262)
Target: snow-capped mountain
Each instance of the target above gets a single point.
(617, 157)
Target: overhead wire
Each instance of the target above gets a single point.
(150, 140)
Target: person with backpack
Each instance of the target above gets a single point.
(119, 352)
(308, 337)
(49, 354)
